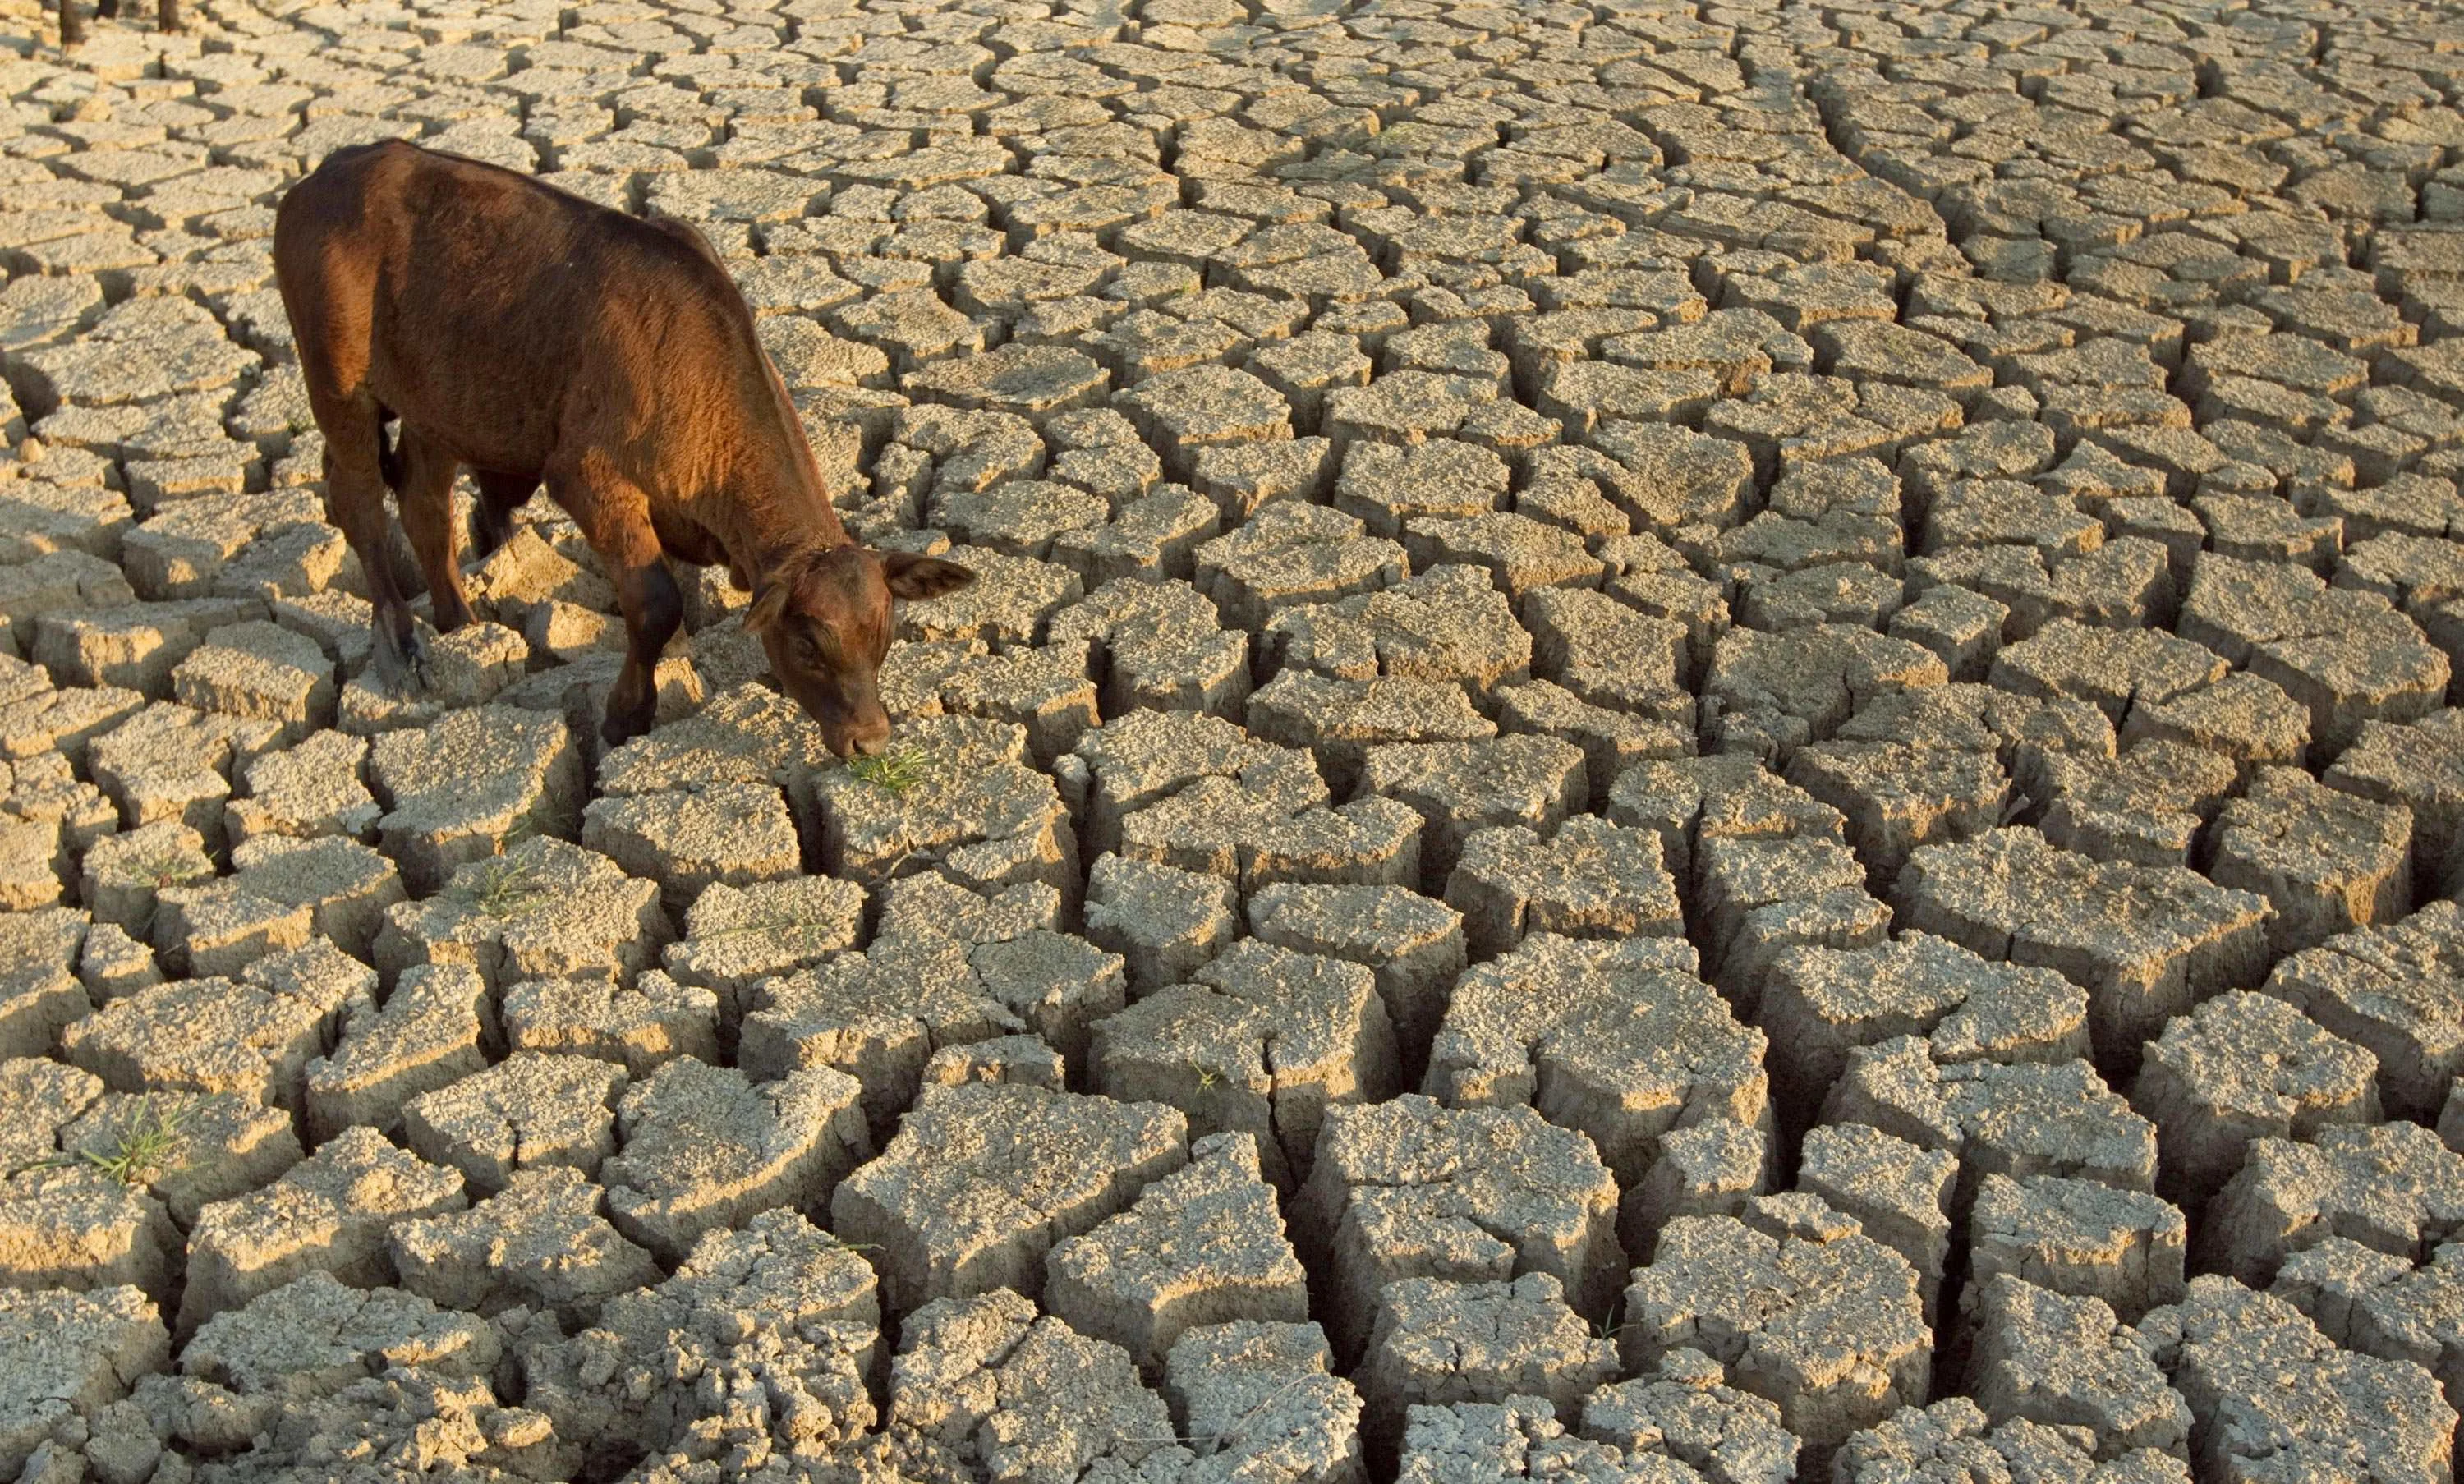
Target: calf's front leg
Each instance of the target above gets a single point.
(614, 515)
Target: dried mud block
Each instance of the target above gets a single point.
(2145, 807)
(2113, 669)
(880, 1015)
(123, 876)
(2271, 1397)
(328, 1214)
(1952, 1440)
(68, 1356)
(1897, 796)
(65, 720)
(2145, 942)
(876, 1017)
(704, 1147)
(461, 788)
(1612, 741)
(2421, 766)
(67, 1222)
(39, 992)
(1819, 1004)
(738, 936)
(1157, 646)
(1460, 786)
(1388, 487)
(1691, 802)
(300, 1344)
(1604, 651)
(2241, 716)
(1517, 1438)
(2035, 1117)
(1800, 1309)
(2326, 860)
(1447, 625)
(526, 1112)
(1413, 946)
(747, 733)
(2348, 656)
(308, 789)
(2245, 1066)
(935, 906)
(2391, 1187)
(261, 671)
(1004, 1059)
(2080, 1237)
(2392, 991)
(1898, 1192)
(982, 1388)
(982, 1180)
(135, 644)
(1198, 795)
(1682, 1408)
(1439, 1342)
(169, 762)
(539, 1243)
(1339, 720)
(688, 839)
(542, 910)
(465, 670)
(208, 1035)
(1165, 924)
(111, 964)
(1203, 1245)
(1773, 692)
(978, 814)
(2369, 1302)
(1147, 757)
(433, 1030)
(1757, 897)
(759, 1343)
(1264, 1040)
(1262, 1397)
(192, 1149)
(280, 894)
(639, 1029)
(1591, 880)
(1407, 1189)
(1617, 1039)
(1290, 555)
(2039, 1357)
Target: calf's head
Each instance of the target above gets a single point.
(824, 618)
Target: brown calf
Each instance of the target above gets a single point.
(530, 336)
(166, 18)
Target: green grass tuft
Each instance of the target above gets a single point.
(147, 1149)
(897, 770)
(501, 888)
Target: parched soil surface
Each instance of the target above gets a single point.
(1701, 743)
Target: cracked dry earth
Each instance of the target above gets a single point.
(1703, 743)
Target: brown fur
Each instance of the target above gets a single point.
(531, 336)
(166, 18)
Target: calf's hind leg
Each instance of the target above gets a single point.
(426, 494)
(615, 518)
(354, 504)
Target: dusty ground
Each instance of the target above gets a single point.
(1703, 743)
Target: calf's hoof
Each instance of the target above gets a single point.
(401, 661)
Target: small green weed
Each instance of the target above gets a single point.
(146, 1148)
(897, 770)
(168, 870)
(501, 888)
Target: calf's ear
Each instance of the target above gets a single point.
(914, 576)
